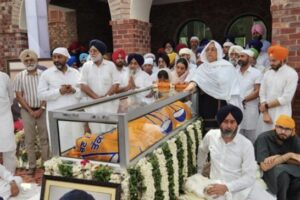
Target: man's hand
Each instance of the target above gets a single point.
(216, 190)
(267, 118)
(38, 113)
(14, 190)
(270, 160)
(295, 156)
(262, 107)
(64, 89)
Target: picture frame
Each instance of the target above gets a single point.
(54, 188)
(14, 66)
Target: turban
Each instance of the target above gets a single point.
(185, 51)
(285, 121)
(118, 52)
(148, 61)
(74, 46)
(71, 60)
(164, 57)
(27, 53)
(235, 49)
(62, 51)
(228, 44)
(278, 52)
(229, 109)
(98, 45)
(255, 52)
(194, 38)
(257, 44)
(259, 28)
(204, 42)
(248, 52)
(180, 46)
(77, 194)
(138, 57)
(83, 56)
(149, 55)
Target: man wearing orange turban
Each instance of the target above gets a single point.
(277, 89)
(278, 154)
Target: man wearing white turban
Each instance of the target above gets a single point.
(234, 52)
(218, 83)
(58, 86)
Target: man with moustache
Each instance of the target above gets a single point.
(99, 78)
(58, 87)
(232, 159)
(249, 79)
(278, 154)
(277, 89)
(118, 57)
(32, 109)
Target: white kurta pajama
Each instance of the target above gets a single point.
(248, 80)
(7, 137)
(100, 79)
(280, 85)
(48, 90)
(5, 178)
(233, 164)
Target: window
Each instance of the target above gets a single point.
(240, 29)
(193, 28)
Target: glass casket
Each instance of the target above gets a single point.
(121, 129)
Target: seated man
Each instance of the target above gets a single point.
(278, 154)
(232, 159)
(9, 184)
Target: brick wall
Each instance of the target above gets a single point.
(62, 26)
(12, 39)
(167, 19)
(119, 9)
(286, 31)
(131, 35)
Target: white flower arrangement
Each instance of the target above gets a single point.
(163, 171)
(51, 166)
(173, 149)
(191, 133)
(125, 187)
(146, 171)
(183, 139)
(198, 125)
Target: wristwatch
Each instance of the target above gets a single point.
(266, 106)
(43, 107)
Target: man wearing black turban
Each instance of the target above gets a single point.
(233, 165)
(136, 78)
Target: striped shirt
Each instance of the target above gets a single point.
(28, 84)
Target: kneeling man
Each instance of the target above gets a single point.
(232, 159)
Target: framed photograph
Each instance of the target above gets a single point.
(14, 66)
(63, 188)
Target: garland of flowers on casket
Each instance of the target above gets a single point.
(159, 176)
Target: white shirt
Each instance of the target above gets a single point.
(50, 83)
(263, 59)
(123, 76)
(248, 80)
(5, 178)
(233, 163)
(141, 79)
(280, 85)
(100, 78)
(7, 136)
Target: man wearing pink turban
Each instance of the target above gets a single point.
(258, 32)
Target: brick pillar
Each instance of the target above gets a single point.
(286, 31)
(132, 35)
(12, 39)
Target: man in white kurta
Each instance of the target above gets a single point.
(249, 79)
(277, 90)
(7, 137)
(9, 184)
(232, 159)
(58, 86)
(99, 78)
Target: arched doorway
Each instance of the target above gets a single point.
(193, 28)
(240, 29)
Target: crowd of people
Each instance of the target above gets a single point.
(244, 92)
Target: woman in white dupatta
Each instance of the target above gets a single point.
(218, 82)
(181, 73)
